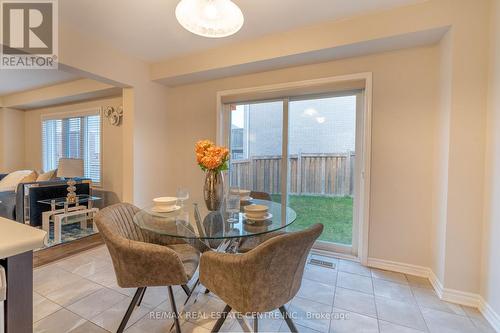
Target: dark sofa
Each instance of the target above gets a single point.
(24, 207)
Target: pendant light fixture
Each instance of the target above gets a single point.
(210, 18)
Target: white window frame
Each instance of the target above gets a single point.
(97, 111)
(359, 248)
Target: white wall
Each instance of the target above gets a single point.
(144, 160)
(11, 140)
(404, 104)
(152, 161)
(463, 97)
(441, 153)
(490, 287)
(112, 141)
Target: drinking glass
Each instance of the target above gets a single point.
(232, 206)
(182, 195)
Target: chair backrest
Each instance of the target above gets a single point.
(140, 258)
(263, 279)
(261, 195)
(277, 267)
(118, 221)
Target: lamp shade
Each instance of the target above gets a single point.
(70, 168)
(210, 18)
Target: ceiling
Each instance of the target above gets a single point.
(16, 80)
(148, 29)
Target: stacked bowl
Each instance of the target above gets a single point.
(257, 213)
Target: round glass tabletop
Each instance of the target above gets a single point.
(196, 222)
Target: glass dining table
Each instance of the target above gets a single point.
(214, 229)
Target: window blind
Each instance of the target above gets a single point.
(74, 137)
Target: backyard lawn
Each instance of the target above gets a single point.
(334, 212)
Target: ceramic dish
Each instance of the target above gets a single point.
(246, 199)
(256, 209)
(265, 217)
(169, 209)
(165, 201)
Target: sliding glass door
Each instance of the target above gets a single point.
(256, 148)
(301, 151)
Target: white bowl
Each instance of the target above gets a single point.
(256, 210)
(255, 215)
(165, 201)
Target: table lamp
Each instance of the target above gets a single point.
(70, 168)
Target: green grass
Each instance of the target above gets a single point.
(334, 212)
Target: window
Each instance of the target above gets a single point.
(305, 151)
(73, 137)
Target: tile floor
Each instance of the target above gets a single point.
(80, 294)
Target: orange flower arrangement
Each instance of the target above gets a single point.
(211, 157)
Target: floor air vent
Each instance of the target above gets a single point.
(322, 263)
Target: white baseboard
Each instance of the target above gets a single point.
(436, 283)
(491, 316)
(399, 267)
(446, 294)
(453, 295)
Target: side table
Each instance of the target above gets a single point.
(61, 210)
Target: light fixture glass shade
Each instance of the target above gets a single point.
(210, 18)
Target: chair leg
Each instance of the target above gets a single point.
(186, 289)
(130, 309)
(288, 320)
(192, 291)
(142, 296)
(174, 309)
(222, 318)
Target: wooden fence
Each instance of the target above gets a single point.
(315, 174)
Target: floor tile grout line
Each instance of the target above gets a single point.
(359, 313)
(420, 310)
(472, 319)
(446, 312)
(304, 325)
(334, 295)
(391, 281)
(78, 299)
(374, 301)
(79, 267)
(97, 314)
(401, 301)
(92, 293)
(404, 325)
(439, 310)
(63, 308)
(84, 278)
(60, 307)
(359, 291)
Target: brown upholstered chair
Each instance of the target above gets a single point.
(262, 279)
(261, 195)
(142, 259)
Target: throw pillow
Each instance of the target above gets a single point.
(10, 182)
(49, 175)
